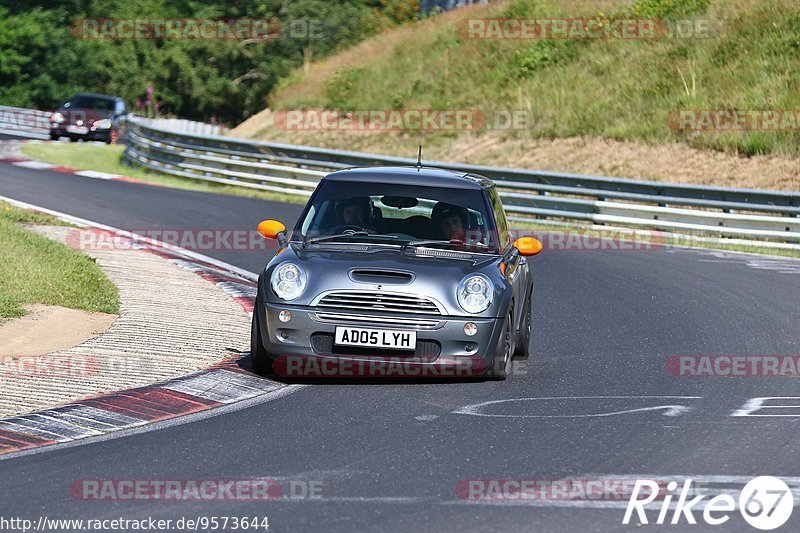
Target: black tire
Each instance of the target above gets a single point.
(501, 362)
(73, 139)
(262, 362)
(524, 342)
(54, 136)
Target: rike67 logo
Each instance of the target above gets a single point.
(765, 503)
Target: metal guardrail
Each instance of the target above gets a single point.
(185, 126)
(526, 194)
(28, 123)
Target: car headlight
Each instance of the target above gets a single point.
(57, 117)
(102, 124)
(475, 293)
(288, 281)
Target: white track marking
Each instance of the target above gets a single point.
(38, 165)
(92, 417)
(222, 386)
(669, 410)
(96, 175)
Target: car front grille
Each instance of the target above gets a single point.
(381, 302)
(396, 322)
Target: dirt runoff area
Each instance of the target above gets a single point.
(48, 328)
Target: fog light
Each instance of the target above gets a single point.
(470, 328)
(284, 335)
(285, 316)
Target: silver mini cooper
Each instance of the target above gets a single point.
(395, 271)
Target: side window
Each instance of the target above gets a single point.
(307, 222)
(499, 218)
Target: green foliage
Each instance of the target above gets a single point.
(43, 62)
(669, 8)
(342, 90)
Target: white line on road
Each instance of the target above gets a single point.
(669, 410)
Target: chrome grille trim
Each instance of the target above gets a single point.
(369, 320)
(377, 301)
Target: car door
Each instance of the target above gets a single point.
(516, 269)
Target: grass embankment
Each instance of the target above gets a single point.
(597, 105)
(104, 158)
(35, 269)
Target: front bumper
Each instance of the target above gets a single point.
(91, 135)
(305, 345)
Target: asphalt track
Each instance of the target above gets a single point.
(390, 456)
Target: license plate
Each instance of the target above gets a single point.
(376, 338)
(77, 129)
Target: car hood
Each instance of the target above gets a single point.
(434, 274)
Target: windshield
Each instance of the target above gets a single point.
(90, 102)
(399, 213)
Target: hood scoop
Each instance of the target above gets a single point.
(381, 276)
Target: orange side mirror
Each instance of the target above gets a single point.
(270, 229)
(528, 246)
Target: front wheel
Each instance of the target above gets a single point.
(262, 362)
(54, 136)
(501, 362)
(523, 345)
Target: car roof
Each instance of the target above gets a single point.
(96, 95)
(422, 176)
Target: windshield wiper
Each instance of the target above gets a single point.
(451, 242)
(362, 233)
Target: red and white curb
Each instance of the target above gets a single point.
(41, 165)
(223, 384)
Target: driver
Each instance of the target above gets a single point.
(355, 211)
(450, 220)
